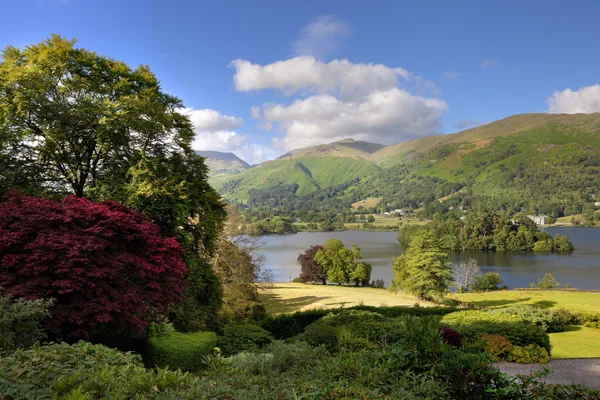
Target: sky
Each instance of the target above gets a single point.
(260, 78)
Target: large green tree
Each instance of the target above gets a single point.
(424, 269)
(76, 122)
(341, 264)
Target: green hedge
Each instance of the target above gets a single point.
(288, 325)
(473, 324)
(243, 337)
(185, 351)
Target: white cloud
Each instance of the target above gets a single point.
(308, 74)
(387, 116)
(584, 100)
(207, 120)
(488, 63)
(322, 36)
(452, 75)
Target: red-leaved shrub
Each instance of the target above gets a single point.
(451, 337)
(105, 265)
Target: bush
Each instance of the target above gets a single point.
(451, 337)
(20, 323)
(106, 266)
(551, 321)
(350, 316)
(474, 324)
(320, 334)
(496, 345)
(490, 281)
(82, 371)
(176, 350)
(467, 375)
(243, 337)
(285, 326)
(277, 357)
(530, 354)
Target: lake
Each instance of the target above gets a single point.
(580, 269)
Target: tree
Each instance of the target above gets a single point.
(310, 269)
(72, 118)
(342, 264)
(465, 274)
(562, 243)
(489, 282)
(105, 265)
(548, 282)
(423, 270)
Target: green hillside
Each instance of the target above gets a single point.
(222, 166)
(307, 174)
(539, 163)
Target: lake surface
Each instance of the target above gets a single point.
(580, 269)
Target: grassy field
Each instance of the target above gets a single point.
(290, 297)
(576, 342)
(385, 220)
(573, 301)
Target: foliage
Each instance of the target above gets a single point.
(547, 282)
(20, 322)
(423, 269)
(83, 371)
(474, 324)
(176, 350)
(310, 269)
(288, 325)
(489, 282)
(497, 345)
(105, 265)
(322, 334)
(549, 320)
(529, 354)
(243, 337)
(451, 337)
(341, 265)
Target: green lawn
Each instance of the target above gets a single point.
(573, 301)
(576, 342)
(290, 297)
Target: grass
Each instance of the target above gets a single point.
(369, 202)
(290, 297)
(576, 342)
(573, 301)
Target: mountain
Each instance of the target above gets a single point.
(543, 163)
(308, 169)
(222, 166)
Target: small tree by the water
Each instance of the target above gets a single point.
(547, 282)
(423, 270)
(343, 265)
(310, 269)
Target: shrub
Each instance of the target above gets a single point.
(550, 320)
(451, 337)
(467, 375)
(473, 324)
(490, 281)
(530, 354)
(320, 334)
(243, 337)
(20, 322)
(350, 316)
(106, 266)
(277, 357)
(176, 350)
(285, 326)
(82, 371)
(496, 345)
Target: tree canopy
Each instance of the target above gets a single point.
(342, 265)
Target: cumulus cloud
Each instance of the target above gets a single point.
(306, 73)
(584, 100)
(322, 36)
(466, 123)
(488, 63)
(452, 75)
(216, 131)
(386, 116)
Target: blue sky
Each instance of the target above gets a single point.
(310, 72)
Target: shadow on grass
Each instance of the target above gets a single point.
(572, 328)
(544, 303)
(496, 303)
(275, 304)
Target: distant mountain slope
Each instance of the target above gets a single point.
(545, 163)
(347, 148)
(222, 166)
(307, 174)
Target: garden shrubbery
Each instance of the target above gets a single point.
(176, 350)
(20, 323)
(550, 320)
(243, 337)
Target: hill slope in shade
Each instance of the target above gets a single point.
(222, 166)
